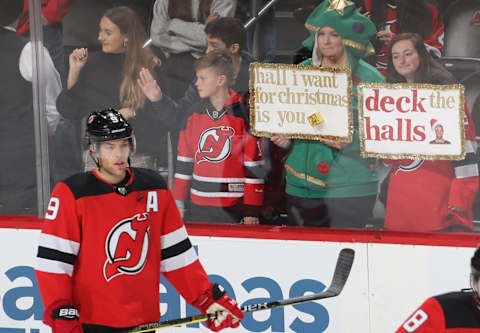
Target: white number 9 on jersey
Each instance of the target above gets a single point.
(52, 209)
(415, 321)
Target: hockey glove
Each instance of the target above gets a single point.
(63, 319)
(224, 310)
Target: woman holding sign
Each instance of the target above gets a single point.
(426, 195)
(328, 182)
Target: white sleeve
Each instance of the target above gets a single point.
(191, 34)
(159, 33)
(224, 8)
(53, 84)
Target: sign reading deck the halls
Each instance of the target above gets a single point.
(411, 121)
(300, 102)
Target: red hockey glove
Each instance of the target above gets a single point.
(63, 319)
(224, 310)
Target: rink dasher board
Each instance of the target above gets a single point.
(387, 281)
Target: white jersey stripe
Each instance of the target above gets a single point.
(184, 159)
(182, 260)
(58, 243)
(464, 171)
(253, 163)
(174, 237)
(182, 176)
(254, 181)
(470, 146)
(217, 194)
(53, 266)
(218, 179)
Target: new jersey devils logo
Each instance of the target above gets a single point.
(127, 247)
(412, 165)
(475, 18)
(214, 144)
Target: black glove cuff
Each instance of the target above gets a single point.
(66, 312)
(217, 291)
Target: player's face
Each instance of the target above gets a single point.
(439, 132)
(208, 82)
(215, 43)
(405, 59)
(110, 36)
(329, 43)
(113, 159)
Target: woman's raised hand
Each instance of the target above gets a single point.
(77, 59)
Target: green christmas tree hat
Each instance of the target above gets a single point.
(342, 15)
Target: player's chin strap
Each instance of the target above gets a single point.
(96, 160)
(474, 285)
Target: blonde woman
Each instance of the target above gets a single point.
(328, 183)
(108, 79)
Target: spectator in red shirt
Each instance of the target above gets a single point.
(392, 17)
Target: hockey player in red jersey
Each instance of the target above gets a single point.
(218, 161)
(454, 312)
(107, 236)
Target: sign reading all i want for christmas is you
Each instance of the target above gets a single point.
(298, 101)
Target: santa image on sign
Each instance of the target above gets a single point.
(437, 127)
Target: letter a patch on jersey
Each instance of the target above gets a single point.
(214, 144)
(127, 247)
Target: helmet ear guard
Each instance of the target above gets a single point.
(474, 276)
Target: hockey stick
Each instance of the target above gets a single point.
(340, 276)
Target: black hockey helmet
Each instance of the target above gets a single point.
(107, 125)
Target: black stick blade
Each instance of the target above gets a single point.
(342, 271)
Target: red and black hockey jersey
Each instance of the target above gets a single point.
(421, 191)
(102, 248)
(434, 42)
(218, 160)
(454, 312)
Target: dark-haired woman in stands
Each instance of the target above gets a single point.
(426, 195)
(108, 79)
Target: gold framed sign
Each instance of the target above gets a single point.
(400, 120)
(298, 101)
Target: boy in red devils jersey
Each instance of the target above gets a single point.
(454, 312)
(218, 160)
(107, 236)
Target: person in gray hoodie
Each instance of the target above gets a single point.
(177, 31)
